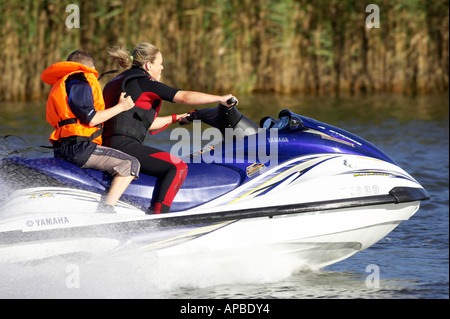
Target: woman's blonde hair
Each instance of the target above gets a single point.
(143, 53)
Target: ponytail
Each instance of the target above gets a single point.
(121, 55)
(143, 53)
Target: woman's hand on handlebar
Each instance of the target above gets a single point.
(181, 118)
(229, 100)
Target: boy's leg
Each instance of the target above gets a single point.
(170, 171)
(124, 168)
(118, 185)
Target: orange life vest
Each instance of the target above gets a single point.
(58, 111)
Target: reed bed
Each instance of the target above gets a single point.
(239, 46)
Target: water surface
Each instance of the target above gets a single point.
(412, 260)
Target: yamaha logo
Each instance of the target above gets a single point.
(278, 140)
(48, 221)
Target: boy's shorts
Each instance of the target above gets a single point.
(113, 161)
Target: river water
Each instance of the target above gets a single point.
(412, 261)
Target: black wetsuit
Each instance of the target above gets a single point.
(127, 132)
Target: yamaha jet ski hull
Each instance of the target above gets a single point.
(315, 238)
(330, 196)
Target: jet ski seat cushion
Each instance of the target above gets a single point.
(203, 183)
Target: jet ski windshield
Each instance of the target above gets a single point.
(286, 121)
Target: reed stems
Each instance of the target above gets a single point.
(239, 46)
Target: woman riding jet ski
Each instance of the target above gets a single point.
(127, 131)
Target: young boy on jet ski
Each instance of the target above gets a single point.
(127, 130)
(76, 109)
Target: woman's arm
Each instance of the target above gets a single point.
(194, 98)
(163, 121)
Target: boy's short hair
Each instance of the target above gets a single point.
(81, 56)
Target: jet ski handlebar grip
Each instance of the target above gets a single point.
(232, 101)
(191, 117)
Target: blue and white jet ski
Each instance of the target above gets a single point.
(326, 195)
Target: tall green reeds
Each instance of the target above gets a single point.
(285, 46)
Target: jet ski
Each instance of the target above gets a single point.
(292, 185)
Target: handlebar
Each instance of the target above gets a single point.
(232, 101)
